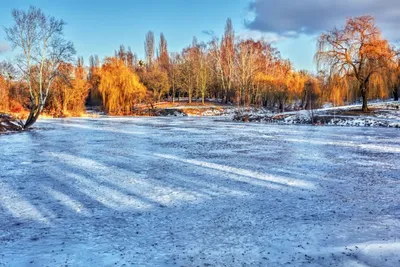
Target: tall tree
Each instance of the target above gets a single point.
(149, 48)
(94, 98)
(40, 38)
(130, 59)
(202, 70)
(248, 62)
(187, 70)
(173, 73)
(122, 54)
(357, 50)
(227, 58)
(163, 57)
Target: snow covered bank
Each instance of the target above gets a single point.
(198, 111)
(383, 114)
(9, 124)
(195, 192)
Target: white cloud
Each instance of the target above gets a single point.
(258, 35)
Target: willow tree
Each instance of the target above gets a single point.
(40, 38)
(357, 50)
(394, 78)
(119, 87)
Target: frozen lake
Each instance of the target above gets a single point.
(195, 192)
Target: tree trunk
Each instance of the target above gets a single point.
(190, 97)
(363, 90)
(225, 97)
(33, 116)
(202, 98)
(242, 97)
(396, 94)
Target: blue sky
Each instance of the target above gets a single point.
(99, 27)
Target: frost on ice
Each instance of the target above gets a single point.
(196, 192)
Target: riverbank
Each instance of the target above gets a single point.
(9, 124)
(381, 114)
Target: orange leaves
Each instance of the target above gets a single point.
(119, 87)
(358, 50)
(69, 91)
(3, 94)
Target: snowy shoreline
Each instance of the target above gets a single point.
(9, 124)
(385, 114)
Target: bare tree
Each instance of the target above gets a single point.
(174, 61)
(247, 63)
(227, 57)
(203, 70)
(40, 38)
(223, 59)
(163, 57)
(358, 50)
(149, 48)
(130, 59)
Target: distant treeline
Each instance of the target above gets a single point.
(354, 63)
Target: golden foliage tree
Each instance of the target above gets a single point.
(70, 90)
(357, 50)
(119, 87)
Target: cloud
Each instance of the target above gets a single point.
(4, 47)
(257, 35)
(291, 18)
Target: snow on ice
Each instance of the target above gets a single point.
(196, 192)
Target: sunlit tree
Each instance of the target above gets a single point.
(70, 90)
(40, 38)
(119, 87)
(163, 56)
(356, 50)
(156, 79)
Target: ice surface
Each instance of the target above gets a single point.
(198, 192)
